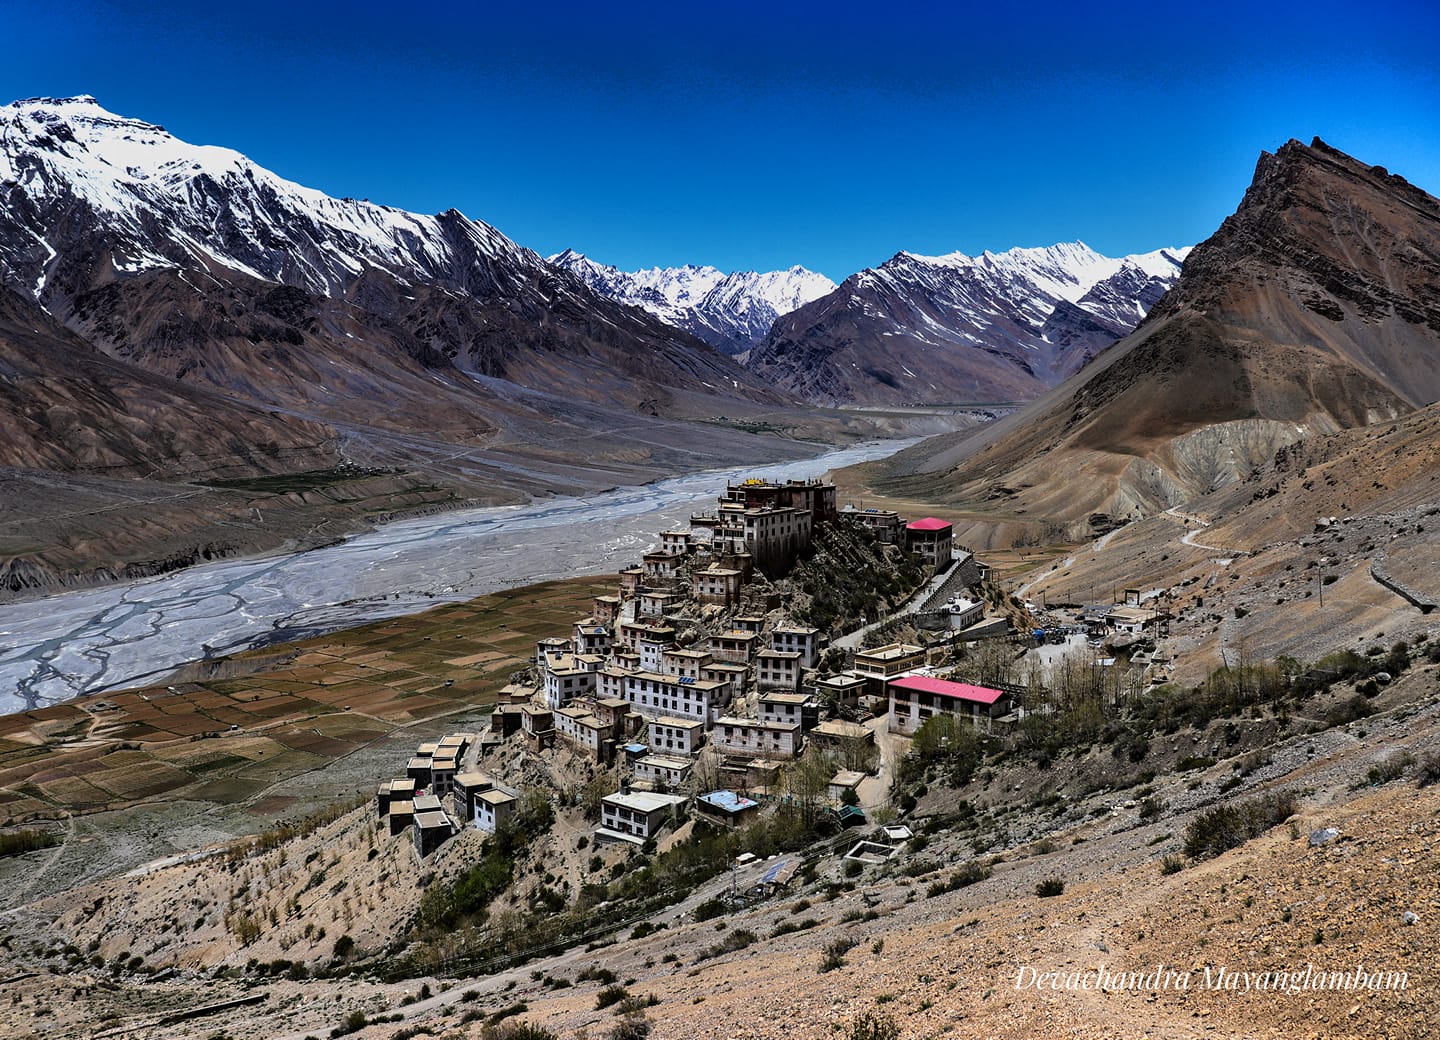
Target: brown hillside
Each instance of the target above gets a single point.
(1314, 308)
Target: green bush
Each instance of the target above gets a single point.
(1227, 826)
(610, 995)
(1050, 887)
(709, 910)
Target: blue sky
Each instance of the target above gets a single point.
(759, 135)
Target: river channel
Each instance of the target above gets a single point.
(86, 641)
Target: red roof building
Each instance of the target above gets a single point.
(931, 538)
(915, 698)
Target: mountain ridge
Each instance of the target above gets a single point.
(732, 312)
(1000, 327)
(1314, 308)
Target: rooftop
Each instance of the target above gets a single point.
(728, 801)
(643, 801)
(946, 688)
(890, 652)
(929, 523)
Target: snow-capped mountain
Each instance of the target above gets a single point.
(280, 327)
(994, 327)
(198, 265)
(165, 203)
(732, 312)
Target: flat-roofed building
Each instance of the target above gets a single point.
(885, 524)
(418, 769)
(726, 807)
(789, 707)
(677, 736)
(731, 675)
(844, 688)
(845, 782)
(885, 661)
(662, 770)
(801, 639)
(610, 682)
(654, 695)
(750, 623)
(467, 787)
(630, 580)
(402, 790)
(662, 566)
(840, 736)
(442, 772)
(777, 670)
(551, 645)
(916, 698)
(592, 636)
(652, 648)
(538, 725)
(757, 739)
(677, 661)
(515, 693)
(630, 633)
(734, 646)
(432, 829)
(581, 728)
(676, 543)
(494, 809)
(505, 719)
(932, 539)
(568, 676)
(775, 537)
(716, 584)
(657, 603)
(635, 816)
(402, 814)
(615, 714)
(605, 609)
(458, 743)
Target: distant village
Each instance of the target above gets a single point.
(708, 725)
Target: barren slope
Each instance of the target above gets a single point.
(1315, 308)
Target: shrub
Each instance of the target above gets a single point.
(835, 954)
(1050, 887)
(1227, 826)
(635, 1027)
(1392, 768)
(1172, 864)
(520, 1031)
(518, 1008)
(709, 910)
(1429, 771)
(1357, 707)
(873, 1026)
(610, 995)
(971, 873)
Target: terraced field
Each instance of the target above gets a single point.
(280, 712)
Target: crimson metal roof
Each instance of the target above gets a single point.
(928, 523)
(946, 688)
